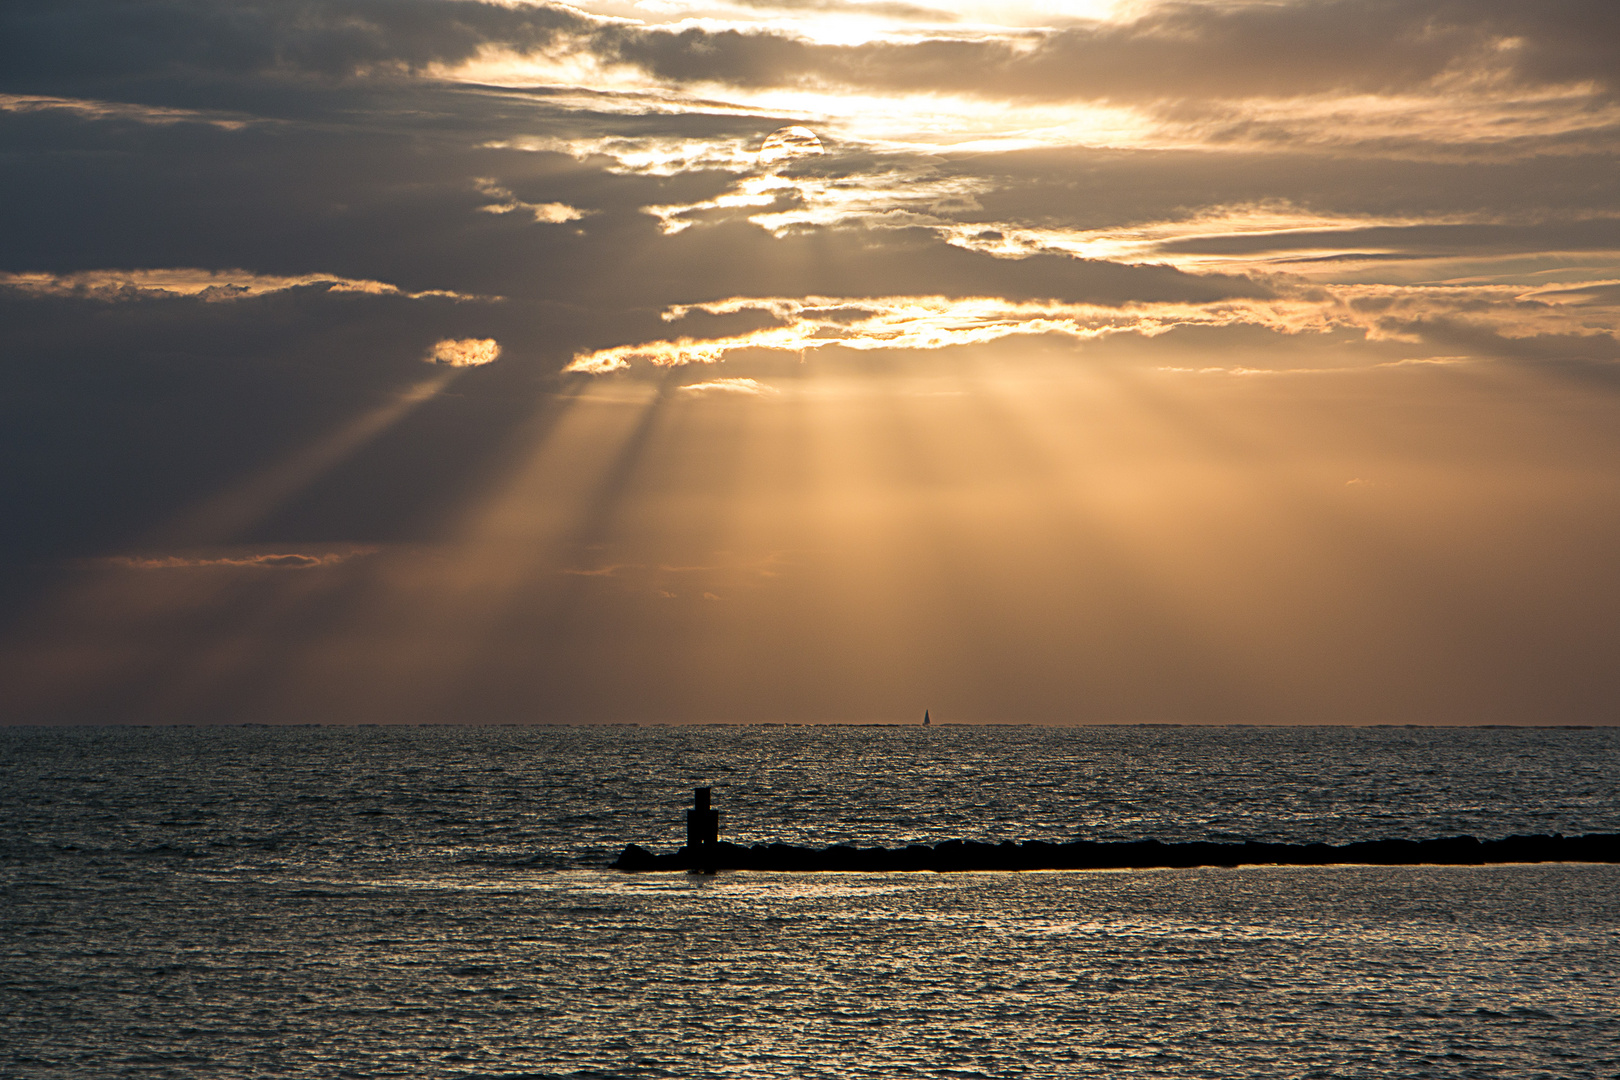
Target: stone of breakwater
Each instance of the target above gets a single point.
(965, 855)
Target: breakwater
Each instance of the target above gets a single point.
(968, 855)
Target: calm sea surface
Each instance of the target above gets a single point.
(433, 902)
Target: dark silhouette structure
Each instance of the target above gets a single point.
(702, 822)
(710, 855)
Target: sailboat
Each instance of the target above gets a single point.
(925, 718)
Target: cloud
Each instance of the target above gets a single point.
(885, 196)
(1178, 50)
(210, 285)
(749, 387)
(895, 323)
(253, 561)
(550, 213)
(112, 38)
(1599, 234)
(465, 352)
(875, 8)
(119, 110)
(1171, 51)
(1499, 320)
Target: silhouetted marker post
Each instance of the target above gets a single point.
(702, 828)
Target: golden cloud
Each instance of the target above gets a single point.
(751, 387)
(912, 322)
(464, 352)
(550, 213)
(1380, 312)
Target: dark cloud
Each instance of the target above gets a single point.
(1572, 351)
(738, 259)
(1173, 51)
(403, 208)
(1178, 51)
(284, 560)
(105, 40)
(1085, 187)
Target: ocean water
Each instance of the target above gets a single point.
(434, 902)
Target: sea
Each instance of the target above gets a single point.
(366, 902)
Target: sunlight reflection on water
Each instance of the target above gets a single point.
(185, 904)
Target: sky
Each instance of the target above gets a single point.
(1108, 361)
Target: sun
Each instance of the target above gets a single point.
(787, 143)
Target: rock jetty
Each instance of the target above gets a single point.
(967, 855)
